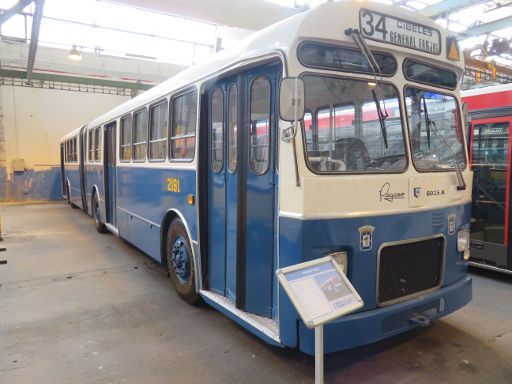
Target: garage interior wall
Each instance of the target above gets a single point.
(32, 122)
(33, 119)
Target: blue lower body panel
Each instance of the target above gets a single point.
(370, 326)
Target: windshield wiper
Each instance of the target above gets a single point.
(461, 184)
(427, 119)
(361, 44)
(382, 118)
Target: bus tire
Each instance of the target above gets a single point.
(180, 263)
(96, 215)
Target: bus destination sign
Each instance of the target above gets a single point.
(404, 33)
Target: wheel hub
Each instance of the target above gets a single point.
(180, 259)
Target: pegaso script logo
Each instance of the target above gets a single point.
(386, 194)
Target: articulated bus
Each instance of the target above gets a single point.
(337, 132)
(490, 140)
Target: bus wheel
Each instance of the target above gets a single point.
(96, 215)
(180, 263)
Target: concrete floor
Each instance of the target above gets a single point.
(80, 307)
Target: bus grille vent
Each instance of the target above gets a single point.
(408, 269)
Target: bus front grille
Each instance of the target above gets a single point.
(408, 269)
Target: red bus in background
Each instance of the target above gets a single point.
(490, 145)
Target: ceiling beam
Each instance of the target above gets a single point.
(247, 14)
(34, 38)
(38, 76)
(16, 8)
(447, 6)
(489, 27)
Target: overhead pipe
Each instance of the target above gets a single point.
(34, 38)
(489, 27)
(16, 8)
(447, 6)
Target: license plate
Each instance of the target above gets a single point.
(404, 33)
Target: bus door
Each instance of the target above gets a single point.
(490, 148)
(222, 186)
(109, 159)
(241, 196)
(258, 188)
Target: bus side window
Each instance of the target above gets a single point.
(125, 144)
(140, 135)
(259, 130)
(158, 132)
(183, 129)
(232, 127)
(90, 147)
(217, 130)
(75, 152)
(97, 146)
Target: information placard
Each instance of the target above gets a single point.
(319, 290)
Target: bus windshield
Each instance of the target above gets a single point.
(342, 130)
(435, 129)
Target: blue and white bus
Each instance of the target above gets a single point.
(336, 132)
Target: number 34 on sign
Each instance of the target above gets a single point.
(404, 33)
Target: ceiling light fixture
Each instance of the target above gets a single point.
(74, 54)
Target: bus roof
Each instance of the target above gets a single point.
(71, 134)
(325, 22)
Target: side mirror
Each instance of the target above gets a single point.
(291, 100)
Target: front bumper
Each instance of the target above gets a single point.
(369, 326)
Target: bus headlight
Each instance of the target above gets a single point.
(463, 240)
(341, 259)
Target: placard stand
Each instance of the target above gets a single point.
(320, 292)
(319, 354)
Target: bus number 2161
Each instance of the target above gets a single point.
(173, 184)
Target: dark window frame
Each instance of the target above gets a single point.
(171, 126)
(464, 144)
(405, 131)
(437, 67)
(134, 144)
(302, 43)
(90, 145)
(217, 169)
(249, 135)
(97, 147)
(121, 145)
(229, 162)
(151, 108)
